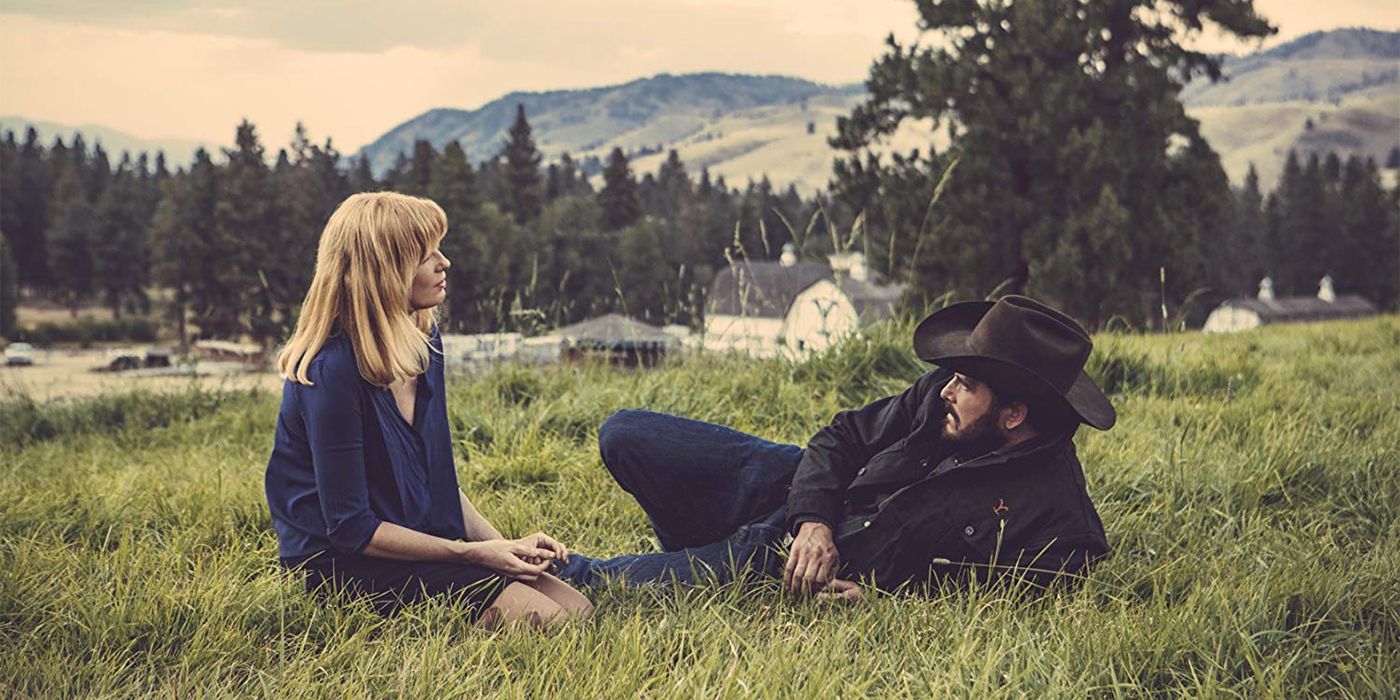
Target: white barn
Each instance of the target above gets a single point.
(767, 308)
(1245, 313)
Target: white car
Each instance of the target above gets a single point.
(19, 354)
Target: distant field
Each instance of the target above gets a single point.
(69, 373)
(1364, 123)
(1251, 491)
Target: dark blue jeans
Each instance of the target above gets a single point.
(716, 498)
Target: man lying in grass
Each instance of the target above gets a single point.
(972, 470)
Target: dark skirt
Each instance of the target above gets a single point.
(389, 584)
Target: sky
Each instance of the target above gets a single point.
(192, 69)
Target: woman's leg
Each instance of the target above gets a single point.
(521, 603)
(698, 482)
(571, 601)
(391, 584)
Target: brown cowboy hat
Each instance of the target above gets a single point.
(1020, 344)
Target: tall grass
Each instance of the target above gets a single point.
(1251, 490)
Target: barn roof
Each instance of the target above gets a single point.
(763, 289)
(1304, 308)
(766, 289)
(615, 330)
(872, 301)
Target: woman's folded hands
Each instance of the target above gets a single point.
(525, 558)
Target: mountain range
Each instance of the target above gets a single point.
(1336, 90)
(1326, 91)
(177, 151)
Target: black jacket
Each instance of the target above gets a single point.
(905, 511)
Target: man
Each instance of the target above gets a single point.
(970, 471)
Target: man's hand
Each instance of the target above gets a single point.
(813, 559)
(539, 540)
(841, 590)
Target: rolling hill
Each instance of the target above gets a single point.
(1326, 91)
(1337, 90)
(178, 152)
(661, 110)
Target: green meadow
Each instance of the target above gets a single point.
(1251, 491)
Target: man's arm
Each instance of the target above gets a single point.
(839, 450)
(828, 466)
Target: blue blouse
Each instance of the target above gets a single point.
(344, 459)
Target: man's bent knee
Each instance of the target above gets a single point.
(618, 434)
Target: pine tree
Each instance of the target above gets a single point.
(1311, 229)
(1252, 252)
(414, 181)
(563, 179)
(618, 199)
(171, 251)
(69, 238)
(98, 173)
(29, 218)
(1047, 102)
(245, 237)
(642, 272)
(1366, 252)
(9, 190)
(183, 242)
(149, 188)
(1280, 228)
(362, 177)
(308, 185)
(397, 174)
(1203, 263)
(522, 164)
(479, 264)
(9, 290)
(491, 182)
(119, 242)
(567, 273)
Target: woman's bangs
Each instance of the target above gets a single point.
(429, 225)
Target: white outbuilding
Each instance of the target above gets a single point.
(767, 308)
(1245, 313)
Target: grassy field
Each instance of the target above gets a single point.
(1251, 490)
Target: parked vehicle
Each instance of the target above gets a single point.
(19, 354)
(122, 359)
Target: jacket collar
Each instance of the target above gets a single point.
(1035, 447)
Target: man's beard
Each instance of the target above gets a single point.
(976, 438)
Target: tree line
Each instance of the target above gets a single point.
(232, 242)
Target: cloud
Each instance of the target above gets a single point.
(312, 25)
(519, 28)
(158, 84)
(194, 68)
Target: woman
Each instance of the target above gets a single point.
(361, 482)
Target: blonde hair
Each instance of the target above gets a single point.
(369, 253)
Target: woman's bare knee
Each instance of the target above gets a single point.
(565, 596)
(520, 603)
